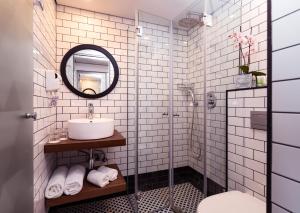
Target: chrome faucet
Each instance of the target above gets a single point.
(90, 111)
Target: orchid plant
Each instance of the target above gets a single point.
(246, 46)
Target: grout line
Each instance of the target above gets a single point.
(290, 13)
(283, 176)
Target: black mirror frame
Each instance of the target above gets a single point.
(93, 47)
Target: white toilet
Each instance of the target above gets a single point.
(231, 202)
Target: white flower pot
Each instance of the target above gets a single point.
(243, 81)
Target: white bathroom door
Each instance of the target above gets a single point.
(16, 99)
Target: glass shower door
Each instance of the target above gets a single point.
(178, 69)
(152, 112)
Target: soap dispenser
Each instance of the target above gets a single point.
(53, 82)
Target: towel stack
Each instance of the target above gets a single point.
(74, 181)
(102, 176)
(97, 178)
(70, 182)
(56, 184)
(64, 181)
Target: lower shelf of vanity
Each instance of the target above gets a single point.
(90, 191)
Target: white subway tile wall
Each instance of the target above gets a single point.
(74, 27)
(117, 35)
(154, 70)
(221, 67)
(195, 78)
(246, 146)
(44, 49)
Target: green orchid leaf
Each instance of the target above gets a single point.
(244, 68)
(257, 73)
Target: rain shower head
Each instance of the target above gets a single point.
(191, 20)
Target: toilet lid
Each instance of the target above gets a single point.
(232, 202)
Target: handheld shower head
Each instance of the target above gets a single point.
(190, 91)
(192, 95)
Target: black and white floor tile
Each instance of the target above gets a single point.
(186, 197)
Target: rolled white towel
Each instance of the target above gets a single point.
(56, 184)
(97, 178)
(74, 181)
(112, 173)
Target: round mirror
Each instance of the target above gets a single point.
(89, 71)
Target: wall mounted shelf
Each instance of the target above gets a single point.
(90, 191)
(69, 145)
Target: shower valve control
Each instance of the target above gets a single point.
(211, 100)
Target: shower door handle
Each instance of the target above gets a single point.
(167, 114)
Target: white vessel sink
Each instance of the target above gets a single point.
(90, 129)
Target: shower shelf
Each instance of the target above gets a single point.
(70, 145)
(90, 191)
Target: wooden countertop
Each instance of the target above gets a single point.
(69, 145)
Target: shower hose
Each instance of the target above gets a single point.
(198, 156)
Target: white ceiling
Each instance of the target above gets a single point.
(168, 9)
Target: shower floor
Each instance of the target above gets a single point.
(186, 196)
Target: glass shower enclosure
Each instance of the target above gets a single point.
(179, 103)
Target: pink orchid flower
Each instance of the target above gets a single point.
(249, 41)
(239, 39)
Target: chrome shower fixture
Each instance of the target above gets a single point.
(190, 91)
(191, 20)
(211, 100)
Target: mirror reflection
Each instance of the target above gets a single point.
(89, 71)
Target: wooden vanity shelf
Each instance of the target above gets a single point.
(69, 145)
(90, 191)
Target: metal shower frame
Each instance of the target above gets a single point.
(171, 205)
